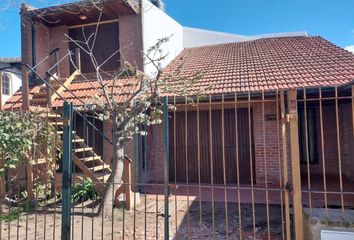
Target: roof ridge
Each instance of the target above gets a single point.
(253, 40)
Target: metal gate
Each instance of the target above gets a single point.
(218, 207)
(183, 178)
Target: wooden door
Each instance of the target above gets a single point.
(185, 166)
(105, 43)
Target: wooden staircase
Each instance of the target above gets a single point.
(84, 156)
(43, 99)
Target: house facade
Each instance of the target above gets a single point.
(10, 72)
(234, 134)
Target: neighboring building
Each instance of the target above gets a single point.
(231, 64)
(11, 81)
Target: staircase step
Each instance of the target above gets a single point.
(61, 132)
(100, 168)
(104, 178)
(39, 161)
(82, 149)
(79, 140)
(56, 123)
(90, 159)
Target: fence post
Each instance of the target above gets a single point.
(295, 163)
(166, 166)
(285, 165)
(67, 171)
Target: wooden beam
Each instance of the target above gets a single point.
(65, 85)
(285, 164)
(25, 89)
(295, 163)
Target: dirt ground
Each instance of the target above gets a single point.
(192, 221)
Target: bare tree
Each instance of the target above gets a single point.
(141, 103)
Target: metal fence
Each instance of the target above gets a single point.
(235, 166)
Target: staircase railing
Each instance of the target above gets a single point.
(47, 83)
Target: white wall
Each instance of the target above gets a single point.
(15, 78)
(194, 37)
(156, 25)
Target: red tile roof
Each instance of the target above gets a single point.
(265, 64)
(84, 90)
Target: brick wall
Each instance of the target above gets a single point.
(266, 143)
(42, 48)
(58, 40)
(156, 148)
(266, 146)
(155, 153)
(347, 140)
(47, 39)
(131, 40)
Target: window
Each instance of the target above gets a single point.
(309, 152)
(6, 84)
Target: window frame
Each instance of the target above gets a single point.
(6, 77)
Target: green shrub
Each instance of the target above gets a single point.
(84, 190)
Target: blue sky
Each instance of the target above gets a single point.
(332, 19)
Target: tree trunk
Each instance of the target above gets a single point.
(116, 178)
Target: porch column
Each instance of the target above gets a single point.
(295, 163)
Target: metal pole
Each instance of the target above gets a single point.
(166, 166)
(67, 171)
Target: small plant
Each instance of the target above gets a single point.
(84, 191)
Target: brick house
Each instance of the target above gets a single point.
(248, 73)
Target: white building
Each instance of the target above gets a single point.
(11, 80)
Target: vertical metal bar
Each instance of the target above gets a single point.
(238, 171)
(211, 166)
(251, 163)
(166, 166)
(46, 169)
(187, 165)
(67, 169)
(175, 163)
(56, 58)
(78, 58)
(199, 171)
(285, 164)
(279, 165)
(224, 165)
(307, 151)
(265, 164)
(54, 154)
(339, 152)
(323, 154)
(295, 164)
